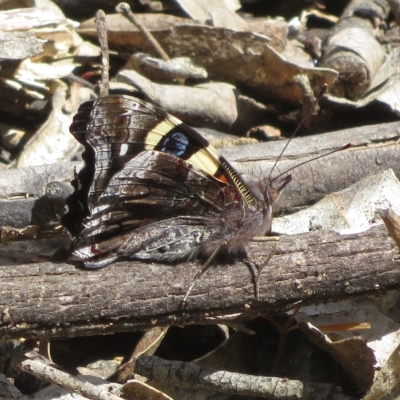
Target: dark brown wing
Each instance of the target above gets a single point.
(152, 187)
(156, 201)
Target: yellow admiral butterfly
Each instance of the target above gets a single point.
(152, 188)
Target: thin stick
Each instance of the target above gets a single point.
(193, 377)
(53, 375)
(124, 9)
(103, 40)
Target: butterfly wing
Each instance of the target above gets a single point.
(151, 188)
(145, 208)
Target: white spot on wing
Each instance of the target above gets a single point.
(123, 150)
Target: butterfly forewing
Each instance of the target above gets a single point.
(152, 187)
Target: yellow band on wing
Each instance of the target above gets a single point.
(157, 133)
(206, 159)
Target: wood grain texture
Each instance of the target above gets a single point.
(62, 300)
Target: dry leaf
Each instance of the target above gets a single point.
(141, 391)
(19, 45)
(53, 142)
(28, 18)
(384, 335)
(169, 71)
(387, 383)
(219, 13)
(353, 354)
(392, 222)
(214, 105)
(354, 207)
(242, 58)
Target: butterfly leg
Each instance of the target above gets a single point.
(200, 273)
(259, 268)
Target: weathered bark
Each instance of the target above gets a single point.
(375, 149)
(165, 374)
(61, 300)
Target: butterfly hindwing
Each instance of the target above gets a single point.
(151, 188)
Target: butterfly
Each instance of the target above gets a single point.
(153, 188)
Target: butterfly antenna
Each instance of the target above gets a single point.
(347, 146)
(317, 100)
(101, 25)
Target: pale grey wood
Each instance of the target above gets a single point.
(62, 300)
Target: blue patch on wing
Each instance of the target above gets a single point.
(175, 144)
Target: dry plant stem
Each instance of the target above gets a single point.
(45, 348)
(64, 380)
(188, 375)
(284, 331)
(82, 81)
(102, 33)
(125, 9)
(310, 103)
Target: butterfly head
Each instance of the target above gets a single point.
(274, 188)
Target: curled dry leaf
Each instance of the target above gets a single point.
(358, 57)
(354, 207)
(387, 93)
(383, 337)
(246, 60)
(353, 354)
(150, 341)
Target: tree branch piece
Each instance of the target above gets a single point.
(189, 375)
(125, 9)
